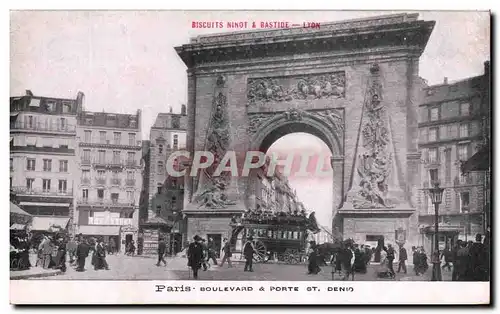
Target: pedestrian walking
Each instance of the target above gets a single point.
(195, 255)
(162, 249)
(71, 250)
(248, 251)
(226, 249)
(447, 256)
(205, 261)
(211, 250)
(478, 260)
(45, 252)
(346, 258)
(455, 261)
(313, 267)
(100, 256)
(60, 259)
(82, 252)
(403, 256)
(463, 262)
(416, 260)
(390, 259)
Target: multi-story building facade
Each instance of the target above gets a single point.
(165, 199)
(110, 170)
(450, 133)
(42, 158)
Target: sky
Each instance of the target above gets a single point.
(125, 60)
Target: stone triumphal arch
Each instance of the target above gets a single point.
(354, 84)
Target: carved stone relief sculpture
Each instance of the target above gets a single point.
(374, 161)
(212, 190)
(263, 90)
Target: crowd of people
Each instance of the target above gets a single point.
(201, 252)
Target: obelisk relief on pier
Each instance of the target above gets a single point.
(212, 187)
(374, 182)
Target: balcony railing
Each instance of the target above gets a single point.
(110, 221)
(130, 182)
(100, 181)
(106, 202)
(116, 182)
(86, 162)
(131, 163)
(43, 127)
(43, 192)
(85, 181)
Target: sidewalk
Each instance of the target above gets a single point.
(33, 272)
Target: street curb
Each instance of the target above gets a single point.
(39, 275)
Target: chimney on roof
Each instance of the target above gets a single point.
(445, 82)
(170, 109)
(183, 110)
(29, 93)
(487, 68)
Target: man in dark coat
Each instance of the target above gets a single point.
(359, 260)
(227, 253)
(82, 252)
(60, 260)
(248, 251)
(478, 260)
(390, 259)
(455, 261)
(463, 262)
(447, 255)
(313, 267)
(345, 257)
(416, 261)
(403, 256)
(195, 255)
(211, 250)
(162, 248)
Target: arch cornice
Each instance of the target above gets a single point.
(328, 125)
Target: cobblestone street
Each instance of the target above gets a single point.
(142, 268)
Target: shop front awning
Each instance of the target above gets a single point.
(96, 230)
(443, 228)
(17, 227)
(14, 209)
(41, 223)
(480, 161)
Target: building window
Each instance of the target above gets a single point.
(464, 202)
(176, 122)
(11, 182)
(85, 194)
(50, 106)
(11, 164)
(130, 196)
(160, 167)
(464, 109)
(102, 137)
(160, 149)
(174, 202)
(433, 134)
(116, 157)
(158, 210)
(47, 165)
(114, 197)
(86, 155)
(463, 178)
(87, 137)
(29, 122)
(130, 175)
(176, 141)
(174, 183)
(102, 156)
(464, 130)
(63, 166)
(159, 188)
(66, 107)
(117, 138)
(63, 124)
(433, 155)
(101, 174)
(423, 135)
(131, 157)
(46, 185)
(131, 139)
(29, 184)
(100, 194)
(31, 141)
(463, 152)
(63, 186)
(434, 114)
(31, 165)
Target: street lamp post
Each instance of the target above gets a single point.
(436, 194)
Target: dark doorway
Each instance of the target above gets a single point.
(128, 239)
(218, 243)
(379, 240)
